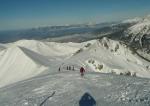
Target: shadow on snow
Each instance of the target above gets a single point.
(87, 100)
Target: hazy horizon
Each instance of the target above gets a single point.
(23, 14)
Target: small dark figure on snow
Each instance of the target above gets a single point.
(82, 70)
(73, 68)
(59, 69)
(67, 68)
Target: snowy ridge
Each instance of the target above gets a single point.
(108, 56)
(40, 73)
(138, 37)
(18, 63)
(134, 20)
(48, 48)
(139, 29)
(29, 74)
(28, 58)
(2, 47)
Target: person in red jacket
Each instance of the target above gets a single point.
(82, 70)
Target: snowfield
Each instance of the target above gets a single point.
(28, 58)
(29, 74)
(70, 89)
(25, 59)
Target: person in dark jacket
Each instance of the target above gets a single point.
(82, 70)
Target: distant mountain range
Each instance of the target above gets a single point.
(48, 32)
(134, 32)
(32, 71)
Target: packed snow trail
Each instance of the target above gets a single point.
(71, 88)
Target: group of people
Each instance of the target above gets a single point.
(70, 68)
(82, 70)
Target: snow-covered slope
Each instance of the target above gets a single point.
(108, 56)
(29, 74)
(48, 48)
(27, 58)
(140, 29)
(2, 47)
(18, 63)
(138, 37)
(69, 89)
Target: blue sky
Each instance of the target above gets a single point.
(20, 14)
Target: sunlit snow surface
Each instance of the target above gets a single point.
(29, 74)
(70, 88)
(28, 58)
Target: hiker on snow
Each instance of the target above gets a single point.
(67, 68)
(73, 68)
(82, 70)
(59, 69)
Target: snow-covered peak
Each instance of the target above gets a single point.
(147, 18)
(134, 20)
(28, 58)
(48, 48)
(108, 56)
(141, 28)
(18, 63)
(137, 20)
(23, 60)
(137, 36)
